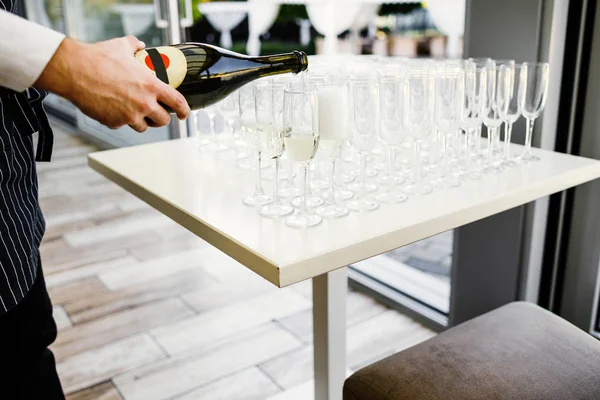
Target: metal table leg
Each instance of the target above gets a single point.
(329, 330)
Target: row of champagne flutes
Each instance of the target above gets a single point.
(359, 105)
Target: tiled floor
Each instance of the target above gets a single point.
(148, 311)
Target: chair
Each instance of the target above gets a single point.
(519, 351)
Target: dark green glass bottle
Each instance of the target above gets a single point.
(205, 74)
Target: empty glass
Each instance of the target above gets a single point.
(229, 108)
(419, 125)
(474, 101)
(269, 127)
(301, 136)
(510, 104)
(247, 103)
(491, 115)
(448, 108)
(533, 101)
(363, 106)
(392, 131)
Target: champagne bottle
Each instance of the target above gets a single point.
(205, 74)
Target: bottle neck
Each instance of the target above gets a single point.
(295, 62)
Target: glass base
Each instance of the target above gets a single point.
(257, 200)
(318, 184)
(290, 191)
(332, 211)
(417, 189)
(492, 169)
(299, 220)
(446, 182)
(357, 187)
(526, 158)
(311, 202)
(470, 175)
(370, 172)
(391, 197)
(363, 204)
(342, 194)
(509, 163)
(388, 180)
(347, 178)
(277, 210)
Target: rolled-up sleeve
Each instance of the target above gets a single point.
(25, 50)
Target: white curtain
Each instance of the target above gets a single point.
(261, 16)
(330, 18)
(224, 16)
(449, 18)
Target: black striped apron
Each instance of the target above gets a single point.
(21, 222)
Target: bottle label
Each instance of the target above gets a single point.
(166, 62)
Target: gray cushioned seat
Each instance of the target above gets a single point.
(519, 351)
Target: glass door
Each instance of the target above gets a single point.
(155, 22)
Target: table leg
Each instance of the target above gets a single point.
(329, 331)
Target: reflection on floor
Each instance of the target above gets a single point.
(148, 311)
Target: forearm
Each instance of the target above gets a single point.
(59, 75)
(25, 50)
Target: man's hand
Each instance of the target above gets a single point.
(107, 84)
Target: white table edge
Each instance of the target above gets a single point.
(387, 242)
(321, 264)
(266, 269)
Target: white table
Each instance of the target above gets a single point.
(204, 194)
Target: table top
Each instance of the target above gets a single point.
(203, 194)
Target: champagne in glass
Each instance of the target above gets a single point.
(301, 138)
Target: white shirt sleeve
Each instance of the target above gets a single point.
(25, 50)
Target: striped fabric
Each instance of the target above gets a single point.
(21, 222)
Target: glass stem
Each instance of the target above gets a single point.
(490, 140)
(528, 136)
(496, 139)
(276, 181)
(332, 181)
(290, 176)
(507, 137)
(363, 174)
(468, 139)
(478, 140)
(392, 160)
(417, 164)
(304, 168)
(258, 184)
(445, 154)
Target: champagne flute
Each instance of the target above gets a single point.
(419, 124)
(533, 101)
(491, 115)
(510, 104)
(363, 106)
(247, 103)
(510, 65)
(480, 64)
(331, 95)
(474, 101)
(448, 112)
(301, 137)
(269, 127)
(392, 130)
(229, 107)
